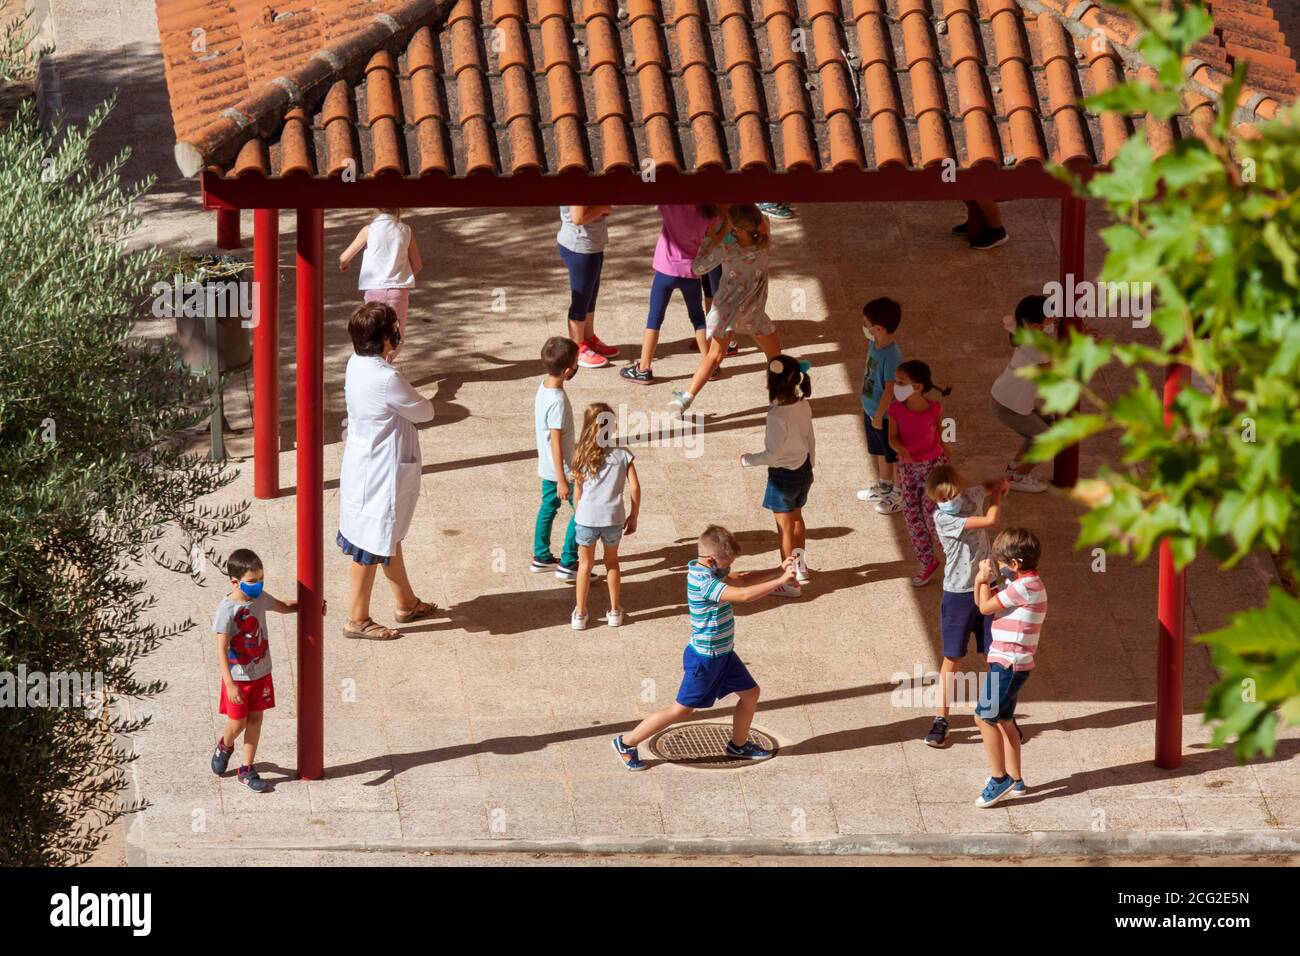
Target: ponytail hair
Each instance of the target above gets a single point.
(788, 380)
(749, 218)
(919, 373)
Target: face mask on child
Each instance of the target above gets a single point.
(949, 507)
(869, 334)
(1006, 574)
(252, 588)
(903, 392)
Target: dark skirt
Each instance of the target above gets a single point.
(787, 488)
(359, 555)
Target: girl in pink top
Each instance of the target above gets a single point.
(679, 241)
(914, 432)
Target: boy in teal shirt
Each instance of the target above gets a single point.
(553, 418)
(880, 321)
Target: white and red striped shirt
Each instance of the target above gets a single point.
(1016, 628)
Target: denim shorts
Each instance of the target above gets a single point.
(587, 535)
(999, 693)
(787, 488)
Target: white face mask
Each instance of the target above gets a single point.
(903, 392)
(869, 335)
(1050, 330)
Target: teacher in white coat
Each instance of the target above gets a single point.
(380, 479)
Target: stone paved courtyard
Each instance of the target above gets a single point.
(490, 725)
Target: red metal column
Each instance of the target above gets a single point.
(1171, 603)
(266, 353)
(228, 229)
(310, 482)
(1065, 467)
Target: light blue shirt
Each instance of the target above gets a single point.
(882, 366)
(551, 409)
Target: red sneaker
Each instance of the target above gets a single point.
(600, 348)
(589, 359)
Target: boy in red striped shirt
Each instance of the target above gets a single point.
(1018, 606)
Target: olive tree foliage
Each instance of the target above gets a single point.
(95, 486)
(1214, 225)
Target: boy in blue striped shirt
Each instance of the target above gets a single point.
(711, 667)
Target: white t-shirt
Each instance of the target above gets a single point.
(1012, 391)
(788, 441)
(551, 409)
(601, 504)
(386, 263)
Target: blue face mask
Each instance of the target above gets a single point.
(949, 507)
(1006, 574)
(252, 588)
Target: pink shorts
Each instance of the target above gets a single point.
(396, 299)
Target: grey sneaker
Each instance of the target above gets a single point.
(635, 373)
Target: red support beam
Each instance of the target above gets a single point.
(228, 229)
(266, 353)
(1074, 225)
(310, 415)
(625, 187)
(1171, 605)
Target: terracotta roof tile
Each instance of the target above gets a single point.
(502, 87)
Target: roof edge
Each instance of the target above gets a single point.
(1082, 19)
(261, 113)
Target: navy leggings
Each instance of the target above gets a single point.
(661, 293)
(584, 281)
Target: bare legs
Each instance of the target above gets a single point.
(675, 713)
(613, 574)
(1001, 746)
(793, 532)
(251, 728)
(712, 359)
(982, 215)
(946, 671)
(361, 581)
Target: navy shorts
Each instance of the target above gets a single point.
(661, 291)
(998, 695)
(787, 488)
(706, 680)
(959, 618)
(878, 439)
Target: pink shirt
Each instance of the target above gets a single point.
(918, 431)
(1017, 627)
(679, 240)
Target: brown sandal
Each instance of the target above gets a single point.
(422, 610)
(369, 630)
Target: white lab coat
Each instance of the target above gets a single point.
(380, 479)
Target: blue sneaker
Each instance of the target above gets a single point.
(249, 778)
(995, 790)
(776, 210)
(748, 751)
(221, 757)
(631, 759)
(1019, 789)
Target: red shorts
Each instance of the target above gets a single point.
(258, 695)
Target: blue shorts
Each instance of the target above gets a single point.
(706, 680)
(787, 488)
(959, 618)
(999, 692)
(878, 439)
(661, 292)
(587, 535)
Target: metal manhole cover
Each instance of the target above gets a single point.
(703, 745)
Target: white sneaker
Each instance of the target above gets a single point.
(800, 566)
(892, 503)
(1028, 483)
(788, 591)
(680, 403)
(579, 621)
(614, 618)
(874, 493)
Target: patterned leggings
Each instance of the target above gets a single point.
(918, 510)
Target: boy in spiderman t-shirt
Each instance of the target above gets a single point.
(246, 688)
